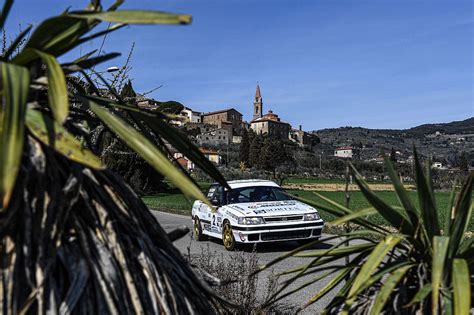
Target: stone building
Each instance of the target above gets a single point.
(191, 115)
(300, 137)
(212, 155)
(346, 152)
(225, 117)
(269, 124)
(214, 137)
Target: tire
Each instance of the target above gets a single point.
(228, 237)
(197, 230)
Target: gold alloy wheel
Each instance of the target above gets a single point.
(198, 230)
(228, 237)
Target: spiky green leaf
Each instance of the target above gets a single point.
(7, 5)
(136, 17)
(450, 212)
(387, 289)
(55, 36)
(429, 213)
(374, 260)
(181, 143)
(147, 151)
(461, 287)
(402, 194)
(57, 88)
(422, 293)
(395, 218)
(15, 80)
(14, 45)
(440, 248)
(462, 215)
(52, 134)
(87, 63)
(343, 251)
(338, 212)
(355, 215)
(329, 286)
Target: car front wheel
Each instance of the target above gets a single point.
(198, 236)
(228, 237)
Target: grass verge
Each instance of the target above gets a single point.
(177, 203)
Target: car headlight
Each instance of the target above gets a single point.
(251, 221)
(311, 216)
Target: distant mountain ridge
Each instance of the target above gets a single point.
(455, 127)
(445, 141)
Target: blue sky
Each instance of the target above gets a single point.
(320, 63)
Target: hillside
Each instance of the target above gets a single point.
(444, 141)
(456, 127)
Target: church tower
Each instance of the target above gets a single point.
(257, 104)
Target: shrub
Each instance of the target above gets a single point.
(424, 267)
(73, 237)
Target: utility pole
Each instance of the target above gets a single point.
(320, 164)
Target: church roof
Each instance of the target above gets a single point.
(264, 119)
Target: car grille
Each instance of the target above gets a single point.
(283, 219)
(285, 235)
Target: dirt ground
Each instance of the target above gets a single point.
(342, 187)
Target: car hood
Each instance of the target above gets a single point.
(272, 208)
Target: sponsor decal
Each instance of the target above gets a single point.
(230, 214)
(280, 204)
(260, 211)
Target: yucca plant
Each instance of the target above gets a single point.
(414, 264)
(73, 237)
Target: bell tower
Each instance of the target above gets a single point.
(257, 104)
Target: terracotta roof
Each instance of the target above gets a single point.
(257, 92)
(263, 119)
(221, 111)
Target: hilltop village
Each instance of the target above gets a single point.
(226, 139)
(226, 126)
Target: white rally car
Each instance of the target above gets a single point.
(254, 211)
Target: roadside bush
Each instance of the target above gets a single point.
(234, 279)
(418, 264)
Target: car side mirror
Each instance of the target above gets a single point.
(214, 202)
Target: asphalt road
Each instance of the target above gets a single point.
(265, 253)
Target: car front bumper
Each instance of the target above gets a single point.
(277, 232)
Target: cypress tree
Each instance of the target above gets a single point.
(273, 154)
(127, 93)
(463, 164)
(244, 148)
(255, 150)
(393, 156)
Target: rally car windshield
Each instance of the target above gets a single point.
(256, 194)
